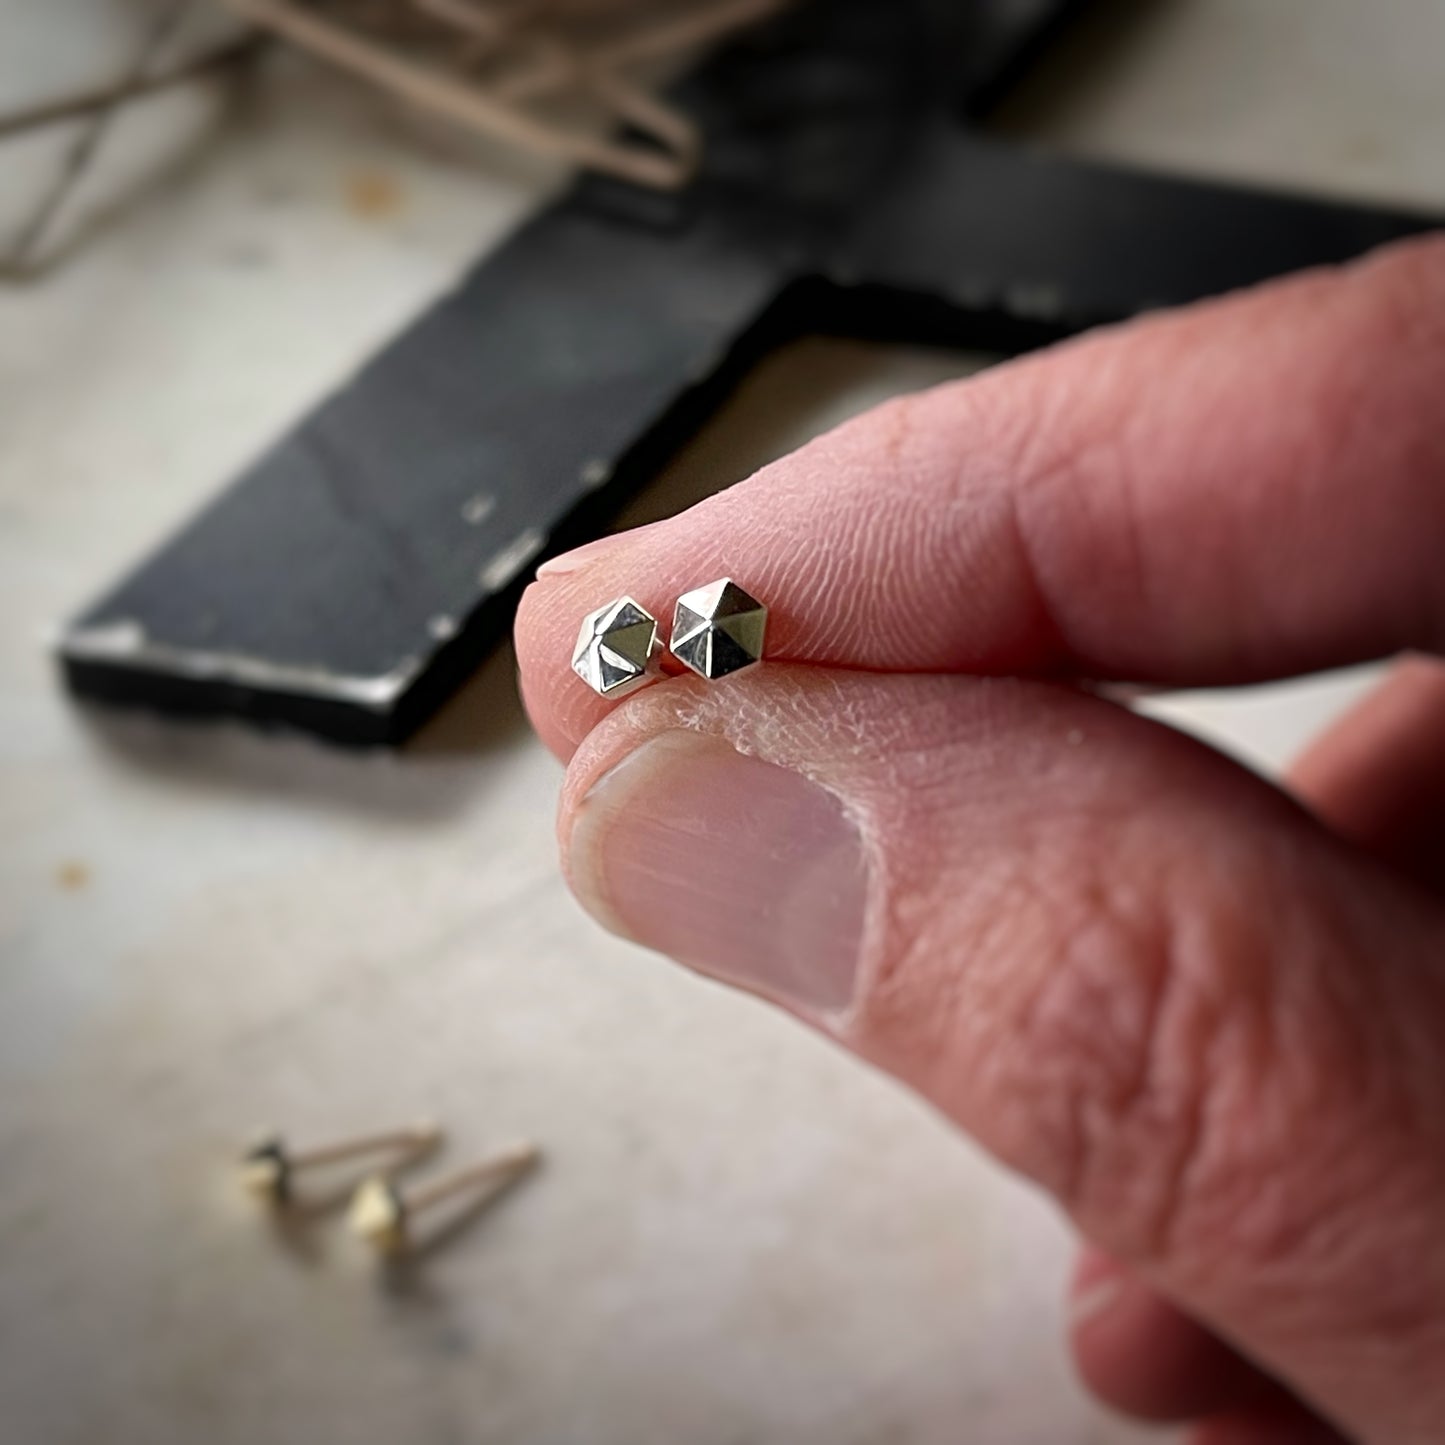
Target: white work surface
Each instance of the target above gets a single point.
(739, 1235)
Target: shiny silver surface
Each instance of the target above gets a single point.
(617, 648)
(718, 629)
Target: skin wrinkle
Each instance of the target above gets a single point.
(904, 539)
(829, 586)
(1054, 473)
(1048, 471)
(1292, 1243)
(1383, 1296)
(1230, 1112)
(1100, 479)
(1056, 1040)
(1117, 465)
(1310, 451)
(973, 555)
(906, 939)
(1367, 1096)
(1033, 1067)
(1051, 651)
(1010, 899)
(1122, 1104)
(922, 545)
(1128, 1092)
(1188, 1010)
(951, 1011)
(994, 449)
(1263, 1062)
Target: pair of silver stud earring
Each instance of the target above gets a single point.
(716, 630)
(381, 1212)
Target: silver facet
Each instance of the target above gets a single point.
(617, 648)
(718, 629)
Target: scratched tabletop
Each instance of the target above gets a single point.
(738, 1235)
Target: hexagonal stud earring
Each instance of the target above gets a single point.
(617, 649)
(718, 629)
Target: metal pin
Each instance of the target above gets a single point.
(268, 1167)
(382, 1215)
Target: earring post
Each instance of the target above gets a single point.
(419, 1136)
(502, 1166)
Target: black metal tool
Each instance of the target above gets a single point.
(361, 569)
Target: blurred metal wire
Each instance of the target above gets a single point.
(495, 66)
(153, 66)
(513, 70)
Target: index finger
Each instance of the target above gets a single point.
(1248, 488)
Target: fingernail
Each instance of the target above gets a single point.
(1094, 1300)
(579, 557)
(565, 562)
(1098, 1283)
(739, 868)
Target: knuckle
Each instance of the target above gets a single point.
(1140, 1053)
(1127, 1012)
(1214, 1093)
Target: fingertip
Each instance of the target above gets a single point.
(1377, 775)
(1142, 1356)
(1097, 1282)
(1285, 1423)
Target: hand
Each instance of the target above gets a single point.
(1206, 1015)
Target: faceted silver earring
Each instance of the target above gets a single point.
(718, 629)
(617, 648)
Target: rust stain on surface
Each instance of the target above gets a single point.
(71, 876)
(373, 195)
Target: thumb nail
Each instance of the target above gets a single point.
(737, 867)
(1098, 1285)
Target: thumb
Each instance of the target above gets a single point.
(1136, 973)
